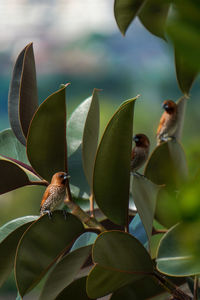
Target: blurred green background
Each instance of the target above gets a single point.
(80, 43)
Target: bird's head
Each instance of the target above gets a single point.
(141, 140)
(59, 178)
(169, 106)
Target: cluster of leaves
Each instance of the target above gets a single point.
(172, 20)
(122, 262)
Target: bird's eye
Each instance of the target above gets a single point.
(61, 175)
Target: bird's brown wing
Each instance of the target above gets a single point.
(45, 196)
(161, 124)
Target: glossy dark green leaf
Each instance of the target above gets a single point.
(46, 142)
(125, 11)
(78, 182)
(10, 234)
(41, 245)
(23, 99)
(119, 259)
(102, 281)
(83, 127)
(144, 196)
(181, 105)
(90, 137)
(154, 15)
(167, 165)
(9, 227)
(178, 253)
(76, 290)
(108, 251)
(12, 149)
(12, 177)
(168, 211)
(154, 244)
(112, 166)
(64, 272)
(185, 73)
(77, 121)
(142, 289)
(183, 30)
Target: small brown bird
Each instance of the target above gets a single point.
(54, 193)
(168, 122)
(140, 152)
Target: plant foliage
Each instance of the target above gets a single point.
(77, 255)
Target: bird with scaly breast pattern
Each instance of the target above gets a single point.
(168, 122)
(140, 152)
(54, 194)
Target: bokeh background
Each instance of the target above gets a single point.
(78, 41)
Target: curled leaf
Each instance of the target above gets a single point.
(23, 99)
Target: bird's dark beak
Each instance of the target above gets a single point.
(135, 139)
(165, 106)
(66, 176)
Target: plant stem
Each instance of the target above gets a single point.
(158, 231)
(80, 213)
(171, 287)
(44, 183)
(196, 285)
(92, 214)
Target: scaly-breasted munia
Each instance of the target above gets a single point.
(54, 193)
(168, 122)
(140, 152)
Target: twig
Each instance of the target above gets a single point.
(92, 213)
(79, 213)
(171, 287)
(158, 231)
(196, 284)
(44, 183)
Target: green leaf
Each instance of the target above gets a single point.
(168, 211)
(13, 176)
(178, 253)
(9, 227)
(78, 182)
(190, 282)
(10, 234)
(90, 137)
(13, 150)
(183, 31)
(102, 281)
(18, 297)
(144, 196)
(120, 259)
(83, 127)
(136, 228)
(76, 290)
(181, 106)
(77, 122)
(125, 11)
(46, 142)
(185, 73)
(11, 147)
(59, 279)
(47, 239)
(86, 239)
(142, 289)
(154, 15)
(22, 98)
(112, 166)
(167, 165)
